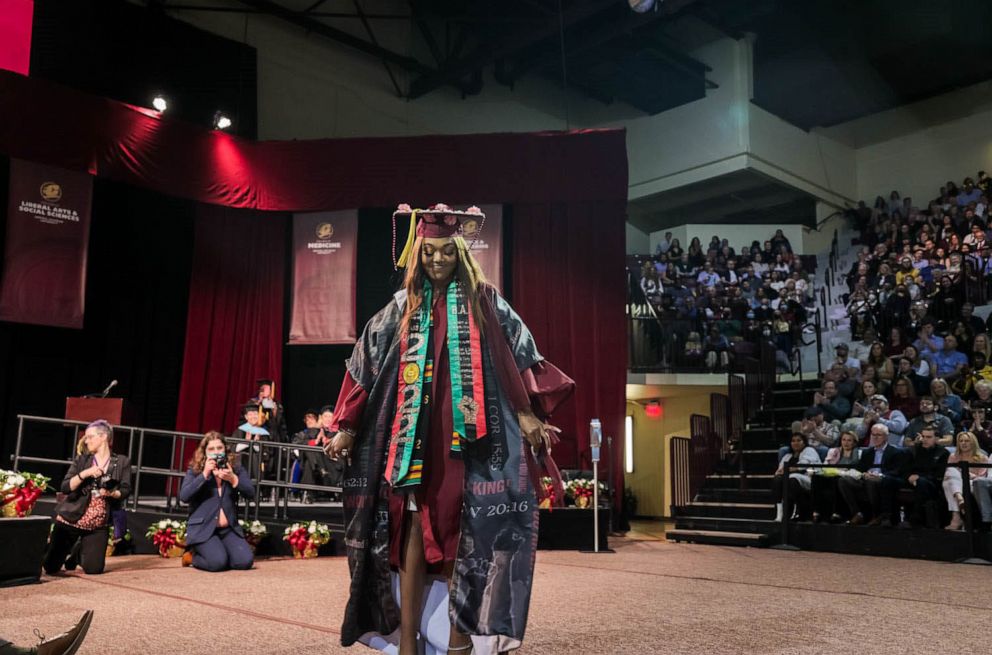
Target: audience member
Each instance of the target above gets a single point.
(880, 414)
(834, 406)
(967, 451)
(884, 470)
(926, 475)
(930, 419)
(823, 489)
(798, 481)
(947, 403)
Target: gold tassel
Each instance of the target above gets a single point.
(411, 237)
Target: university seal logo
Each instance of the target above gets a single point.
(325, 231)
(51, 192)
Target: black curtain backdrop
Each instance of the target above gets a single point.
(137, 288)
(120, 50)
(312, 375)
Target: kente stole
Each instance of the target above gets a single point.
(405, 460)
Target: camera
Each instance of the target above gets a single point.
(107, 482)
(220, 459)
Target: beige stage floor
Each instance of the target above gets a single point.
(649, 597)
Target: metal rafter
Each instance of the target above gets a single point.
(425, 32)
(375, 42)
(484, 56)
(323, 29)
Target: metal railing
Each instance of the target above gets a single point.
(680, 452)
(282, 452)
(706, 450)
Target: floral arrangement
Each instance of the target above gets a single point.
(168, 535)
(305, 538)
(20, 491)
(254, 531)
(113, 542)
(549, 492)
(579, 491)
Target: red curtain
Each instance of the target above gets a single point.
(234, 330)
(74, 130)
(568, 286)
(568, 191)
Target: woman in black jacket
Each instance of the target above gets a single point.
(97, 483)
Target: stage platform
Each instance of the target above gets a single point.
(649, 597)
(565, 528)
(913, 543)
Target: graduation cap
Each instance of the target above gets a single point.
(437, 221)
(250, 407)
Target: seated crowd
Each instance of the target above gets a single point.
(913, 396)
(708, 301)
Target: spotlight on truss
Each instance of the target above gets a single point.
(221, 121)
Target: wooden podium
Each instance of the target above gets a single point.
(92, 409)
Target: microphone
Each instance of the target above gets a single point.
(113, 383)
(595, 438)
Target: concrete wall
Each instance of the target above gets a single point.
(310, 87)
(638, 243)
(917, 164)
(697, 140)
(817, 164)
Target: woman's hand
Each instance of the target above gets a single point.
(340, 447)
(209, 467)
(91, 472)
(115, 494)
(533, 430)
(227, 475)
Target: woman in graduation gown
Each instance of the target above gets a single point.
(438, 424)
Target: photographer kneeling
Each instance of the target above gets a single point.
(95, 485)
(212, 485)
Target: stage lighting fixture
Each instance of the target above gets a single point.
(221, 122)
(160, 103)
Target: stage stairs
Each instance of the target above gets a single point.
(728, 513)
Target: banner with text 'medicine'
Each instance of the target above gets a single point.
(324, 270)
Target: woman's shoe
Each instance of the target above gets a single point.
(956, 523)
(960, 500)
(188, 558)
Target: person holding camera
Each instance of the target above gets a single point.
(95, 485)
(212, 486)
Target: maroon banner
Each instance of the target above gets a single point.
(324, 268)
(48, 228)
(488, 247)
(16, 17)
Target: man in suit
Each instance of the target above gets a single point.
(926, 475)
(884, 470)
